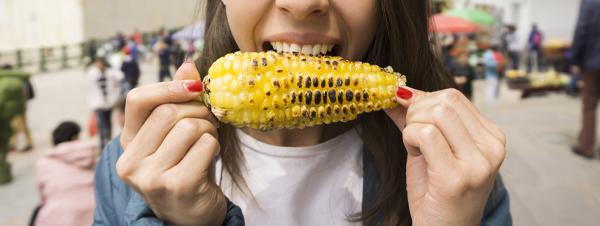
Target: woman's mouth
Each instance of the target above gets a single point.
(312, 49)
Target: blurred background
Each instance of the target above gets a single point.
(58, 58)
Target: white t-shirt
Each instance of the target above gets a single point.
(314, 185)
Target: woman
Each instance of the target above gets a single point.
(64, 177)
(175, 152)
(104, 90)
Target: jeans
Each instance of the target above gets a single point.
(104, 126)
(492, 96)
(164, 72)
(589, 94)
(537, 55)
(514, 58)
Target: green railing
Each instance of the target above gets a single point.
(57, 57)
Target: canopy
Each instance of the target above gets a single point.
(444, 23)
(473, 15)
(190, 32)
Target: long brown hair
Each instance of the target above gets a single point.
(401, 41)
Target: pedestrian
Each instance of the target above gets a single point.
(104, 90)
(65, 179)
(535, 49)
(164, 55)
(130, 69)
(491, 76)
(12, 103)
(118, 41)
(177, 165)
(137, 36)
(464, 74)
(585, 56)
(513, 46)
(19, 121)
(91, 51)
(177, 54)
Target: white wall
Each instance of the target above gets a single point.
(36, 23)
(103, 18)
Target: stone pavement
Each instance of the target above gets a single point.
(548, 184)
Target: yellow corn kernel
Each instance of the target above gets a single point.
(270, 90)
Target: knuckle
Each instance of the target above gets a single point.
(165, 112)
(124, 170)
(150, 185)
(449, 96)
(428, 132)
(207, 127)
(133, 97)
(188, 126)
(442, 110)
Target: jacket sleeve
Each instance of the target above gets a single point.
(578, 46)
(138, 213)
(118, 204)
(497, 208)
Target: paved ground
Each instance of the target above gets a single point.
(548, 185)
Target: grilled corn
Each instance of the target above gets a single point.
(270, 90)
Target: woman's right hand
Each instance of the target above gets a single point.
(170, 145)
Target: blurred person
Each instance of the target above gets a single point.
(535, 48)
(177, 54)
(19, 122)
(118, 41)
(120, 112)
(166, 35)
(133, 48)
(164, 55)
(585, 56)
(12, 103)
(513, 47)
(571, 87)
(130, 69)
(491, 75)
(464, 74)
(104, 90)
(65, 179)
(91, 51)
(137, 36)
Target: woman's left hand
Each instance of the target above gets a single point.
(454, 154)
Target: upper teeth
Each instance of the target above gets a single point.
(304, 49)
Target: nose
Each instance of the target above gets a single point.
(301, 9)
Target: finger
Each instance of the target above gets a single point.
(161, 122)
(405, 96)
(187, 71)
(456, 100)
(427, 140)
(199, 157)
(141, 101)
(179, 140)
(452, 128)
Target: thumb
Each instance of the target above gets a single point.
(405, 96)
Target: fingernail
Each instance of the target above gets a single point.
(194, 87)
(220, 124)
(189, 62)
(404, 93)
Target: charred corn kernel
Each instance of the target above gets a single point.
(270, 90)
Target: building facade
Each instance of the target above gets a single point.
(31, 24)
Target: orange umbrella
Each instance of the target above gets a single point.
(444, 23)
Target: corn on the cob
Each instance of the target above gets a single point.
(270, 90)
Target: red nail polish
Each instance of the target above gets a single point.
(194, 87)
(404, 93)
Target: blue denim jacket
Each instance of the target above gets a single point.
(118, 204)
